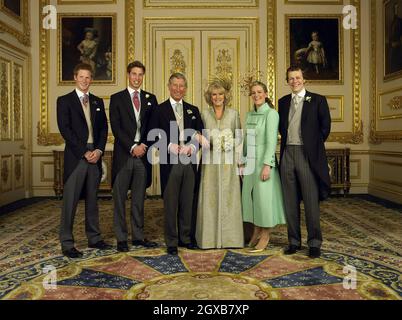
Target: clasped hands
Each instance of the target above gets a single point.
(177, 149)
(139, 151)
(92, 156)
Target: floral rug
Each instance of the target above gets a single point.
(361, 260)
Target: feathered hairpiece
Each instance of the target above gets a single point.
(248, 79)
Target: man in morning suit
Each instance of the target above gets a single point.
(304, 125)
(130, 111)
(177, 122)
(82, 122)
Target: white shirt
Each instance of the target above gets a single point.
(300, 96)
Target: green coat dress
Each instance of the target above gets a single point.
(262, 201)
(219, 217)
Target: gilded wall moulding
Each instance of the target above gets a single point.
(395, 103)
(5, 133)
(17, 105)
(233, 4)
(271, 49)
(376, 136)
(44, 136)
(21, 16)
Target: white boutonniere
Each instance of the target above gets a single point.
(149, 103)
(308, 99)
(147, 96)
(189, 111)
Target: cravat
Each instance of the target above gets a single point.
(293, 106)
(136, 101)
(179, 109)
(85, 100)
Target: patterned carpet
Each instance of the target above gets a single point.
(357, 233)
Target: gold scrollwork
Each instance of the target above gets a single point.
(395, 103)
(271, 54)
(17, 102)
(177, 63)
(224, 66)
(247, 79)
(4, 99)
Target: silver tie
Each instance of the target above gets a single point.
(293, 106)
(179, 110)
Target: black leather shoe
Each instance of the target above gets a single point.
(144, 243)
(72, 253)
(122, 246)
(101, 245)
(314, 252)
(191, 246)
(172, 250)
(291, 249)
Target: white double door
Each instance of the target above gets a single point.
(201, 55)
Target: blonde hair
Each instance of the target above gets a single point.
(216, 85)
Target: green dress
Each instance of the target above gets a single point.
(262, 201)
(219, 217)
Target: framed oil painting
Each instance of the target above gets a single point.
(393, 39)
(315, 44)
(12, 7)
(88, 39)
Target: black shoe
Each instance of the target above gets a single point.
(72, 253)
(101, 245)
(172, 250)
(191, 246)
(144, 243)
(314, 252)
(122, 246)
(291, 249)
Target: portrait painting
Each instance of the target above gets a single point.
(393, 39)
(13, 7)
(87, 39)
(314, 44)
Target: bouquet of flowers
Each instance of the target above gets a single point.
(226, 140)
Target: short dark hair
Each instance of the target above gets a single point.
(135, 64)
(294, 68)
(82, 66)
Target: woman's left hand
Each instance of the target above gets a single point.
(265, 172)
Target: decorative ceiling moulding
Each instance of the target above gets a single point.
(20, 29)
(321, 2)
(377, 136)
(225, 4)
(79, 2)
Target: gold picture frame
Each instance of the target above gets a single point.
(392, 33)
(18, 26)
(88, 38)
(321, 58)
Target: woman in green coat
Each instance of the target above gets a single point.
(262, 200)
